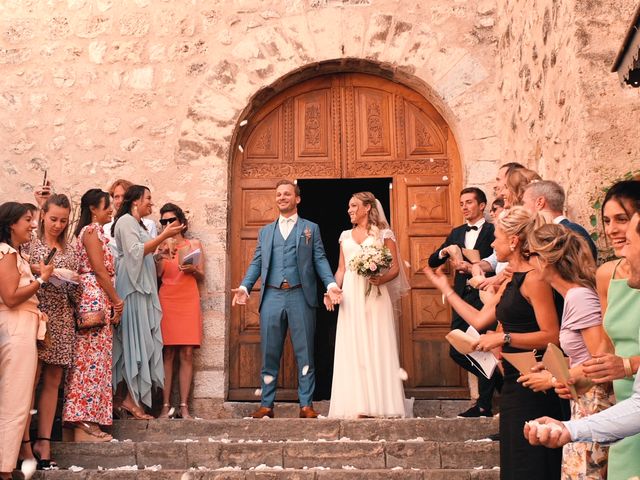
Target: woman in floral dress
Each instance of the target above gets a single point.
(88, 399)
(56, 301)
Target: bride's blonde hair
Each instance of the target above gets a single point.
(375, 217)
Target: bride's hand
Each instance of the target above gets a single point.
(375, 280)
(328, 303)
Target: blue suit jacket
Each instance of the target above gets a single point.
(579, 229)
(311, 259)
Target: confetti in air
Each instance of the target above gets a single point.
(258, 392)
(445, 178)
(33, 411)
(244, 122)
(402, 373)
(28, 468)
(267, 379)
(240, 148)
(305, 370)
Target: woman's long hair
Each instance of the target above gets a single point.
(516, 181)
(62, 201)
(133, 193)
(10, 213)
(375, 218)
(567, 251)
(91, 198)
(520, 222)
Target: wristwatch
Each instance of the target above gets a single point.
(40, 281)
(507, 339)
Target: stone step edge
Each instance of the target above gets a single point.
(314, 473)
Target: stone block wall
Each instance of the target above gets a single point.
(561, 110)
(153, 91)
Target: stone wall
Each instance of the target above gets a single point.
(561, 111)
(153, 90)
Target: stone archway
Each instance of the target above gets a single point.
(324, 122)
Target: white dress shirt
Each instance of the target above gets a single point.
(471, 236)
(286, 224)
(613, 424)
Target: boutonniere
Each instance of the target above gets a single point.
(307, 235)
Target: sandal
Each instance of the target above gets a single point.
(167, 411)
(135, 411)
(89, 432)
(44, 463)
(184, 408)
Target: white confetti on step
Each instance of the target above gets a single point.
(344, 439)
(402, 373)
(267, 379)
(75, 468)
(305, 370)
(397, 468)
(348, 467)
(187, 476)
(153, 468)
(185, 440)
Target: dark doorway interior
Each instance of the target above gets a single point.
(325, 202)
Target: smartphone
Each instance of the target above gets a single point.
(50, 256)
(44, 181)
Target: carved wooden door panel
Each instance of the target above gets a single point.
(350, 126)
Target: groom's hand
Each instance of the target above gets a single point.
(335, 295)
(328, 303)
(240, 297)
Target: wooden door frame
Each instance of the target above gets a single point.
(259, 111)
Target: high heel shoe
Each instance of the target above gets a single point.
(135, 411)
(89, 432)
(184, 408)
(44, 463)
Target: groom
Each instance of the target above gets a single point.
(287, 259)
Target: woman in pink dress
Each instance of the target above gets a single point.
(180, 299)
(88, 401)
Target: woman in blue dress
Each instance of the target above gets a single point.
(137, 342)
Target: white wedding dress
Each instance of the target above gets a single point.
(366, 371)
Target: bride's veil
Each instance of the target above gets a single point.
(399, 286)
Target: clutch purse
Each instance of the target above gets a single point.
(86, 320)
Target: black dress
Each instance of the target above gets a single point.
(518, 459)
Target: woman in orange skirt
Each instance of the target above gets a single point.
(180, 267)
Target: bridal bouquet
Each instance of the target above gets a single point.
(372, 261)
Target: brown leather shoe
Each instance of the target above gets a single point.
(308, 412)
(263, 412)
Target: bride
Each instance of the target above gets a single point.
(367, 378)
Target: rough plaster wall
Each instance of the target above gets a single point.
(152, 90)
(561, 111)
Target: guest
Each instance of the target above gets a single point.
(180, 300)
(20, 326)
(117, 191)
(88, 396)
(476, 234)
(497, 207)
(564, 260)
(56, 301)
(623, 419)
(515, 183)
(547, 197)
(526, 310)
(621, 304)
(137, 348)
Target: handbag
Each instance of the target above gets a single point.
(86, 320)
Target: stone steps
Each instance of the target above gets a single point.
(287, 448)
(264, 473)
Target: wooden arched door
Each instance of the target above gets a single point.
(351, 126)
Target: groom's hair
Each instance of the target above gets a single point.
(295, 186)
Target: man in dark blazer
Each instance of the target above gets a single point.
(476, 234)
(547, 197)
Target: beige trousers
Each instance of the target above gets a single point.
(18, 363)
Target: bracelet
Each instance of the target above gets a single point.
(628, 371)
(449, 293)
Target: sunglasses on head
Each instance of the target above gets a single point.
(166, 221)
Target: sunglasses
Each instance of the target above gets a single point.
(166, 221)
